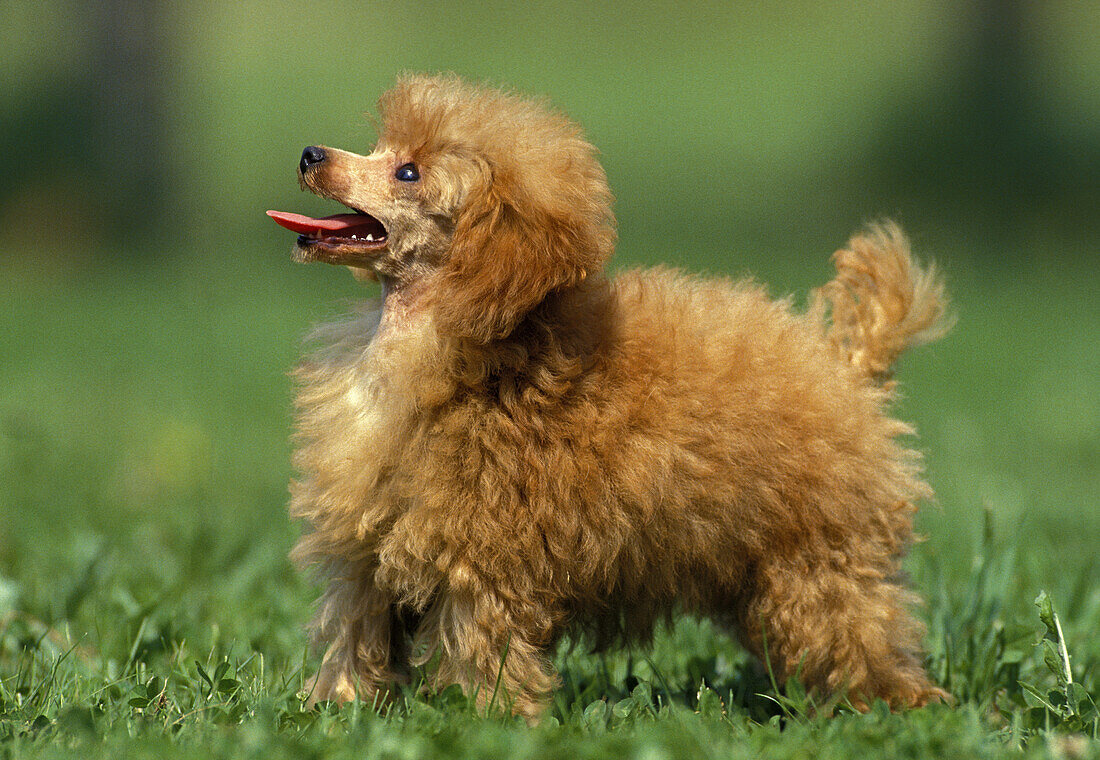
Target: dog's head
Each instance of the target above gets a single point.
(478, 200)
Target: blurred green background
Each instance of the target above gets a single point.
(151, 311)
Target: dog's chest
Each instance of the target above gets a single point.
(383, 381)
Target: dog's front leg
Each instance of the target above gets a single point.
(492, 641)
(358, 621)
(489, 621)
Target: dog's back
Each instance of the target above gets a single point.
(779, 488)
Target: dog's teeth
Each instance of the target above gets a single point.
(370, 237)
(354, 237)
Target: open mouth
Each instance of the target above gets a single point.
(340, 238)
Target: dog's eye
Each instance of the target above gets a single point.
(407, 173)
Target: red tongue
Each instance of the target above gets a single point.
(307, 225)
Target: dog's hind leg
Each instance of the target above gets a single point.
(839, 629)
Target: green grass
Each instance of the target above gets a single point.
(147, 607)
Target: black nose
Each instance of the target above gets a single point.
(310, 156)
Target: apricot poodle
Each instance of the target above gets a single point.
(511, 445)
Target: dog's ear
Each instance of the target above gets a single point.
(513, 245)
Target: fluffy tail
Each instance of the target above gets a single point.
(881, 301)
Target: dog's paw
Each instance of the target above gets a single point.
(331, 684)
(931, 695)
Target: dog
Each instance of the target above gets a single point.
(512, 445)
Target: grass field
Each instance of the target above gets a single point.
(147, 608)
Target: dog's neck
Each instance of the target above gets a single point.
(561, 336)
(398, 306)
